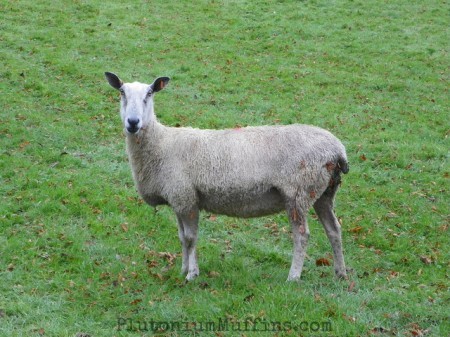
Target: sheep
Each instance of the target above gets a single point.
(241, 172)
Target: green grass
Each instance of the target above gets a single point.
(78, 249)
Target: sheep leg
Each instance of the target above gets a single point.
(189, 221)
(181, 236)
(324, 210)
(300, 235)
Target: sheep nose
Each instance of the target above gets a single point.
(133, 124)
(133, 121)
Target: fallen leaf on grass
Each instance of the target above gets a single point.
(392, 275)
(417, 331)
(273, 228)
(351, 286)
(426, 259)
(168, 256)
(40, 331)
(356, 229)
(203, 285)
(349, 318)
(24, 144)
(249, 298)
(323, 262)
(213, 274)
(444, 228)
(391, 215)
(136, 301)
(157, 276)
(380, 330)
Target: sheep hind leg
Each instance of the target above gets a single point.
(300, 235)
(324, 210)
(189, 234)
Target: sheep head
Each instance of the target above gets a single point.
(136, 101)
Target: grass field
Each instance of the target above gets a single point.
(82, 255)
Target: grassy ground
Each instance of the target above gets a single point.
(81, 255)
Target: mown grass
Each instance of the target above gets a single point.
(79, 250)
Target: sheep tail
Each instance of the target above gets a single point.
(342, 165)
(335, 168)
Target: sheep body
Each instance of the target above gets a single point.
(243, 172)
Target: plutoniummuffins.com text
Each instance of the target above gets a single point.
(221, 324)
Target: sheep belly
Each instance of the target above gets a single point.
(243, 205)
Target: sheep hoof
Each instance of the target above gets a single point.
(342, 275)
(293, 278)
(191, 275)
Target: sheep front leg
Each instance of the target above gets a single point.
(181, 236)
(300, 235)
(188, 232)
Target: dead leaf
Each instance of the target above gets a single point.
(323, 262)
(392, 275)
(426, 259)
(444, 228)
(417, 331)
(136, 301)
(249, 298)
(203, 285)
(212, 217)
(294, 215)
(351, 286)
(213, 274)
(391, 215)
(356, 229)
(124, 227)
(168, 256)
(158, 276)
(273, 228)
(380, 330)
(24, 144)
(349, 318)
(330, 166)
(363, 157)
(152, 264)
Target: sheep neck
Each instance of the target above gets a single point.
(144, 144)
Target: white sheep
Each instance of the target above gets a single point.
(244, 172)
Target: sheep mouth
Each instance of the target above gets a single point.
(132, 129)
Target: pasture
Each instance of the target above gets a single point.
(82, 255)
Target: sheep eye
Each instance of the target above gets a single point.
(149, 93)
(122, 92)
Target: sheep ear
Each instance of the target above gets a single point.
(160, 83)
(114, 80)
